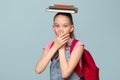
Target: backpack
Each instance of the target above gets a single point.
(89, 69)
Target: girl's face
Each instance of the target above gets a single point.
(62, 25)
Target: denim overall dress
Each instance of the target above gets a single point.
(55, 72)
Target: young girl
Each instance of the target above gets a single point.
(58, 51)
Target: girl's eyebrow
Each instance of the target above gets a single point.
(55, 23)
(66, 24)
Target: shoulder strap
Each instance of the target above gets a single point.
(73, 44)
(51, 44)
(77, 69)
(89, 68)
(50, 47)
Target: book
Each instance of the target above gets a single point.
(62, 8)
(63, 5)
(65, 11)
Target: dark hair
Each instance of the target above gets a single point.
(71, 21)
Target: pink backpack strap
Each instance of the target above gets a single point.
(52, 44)
(73, 44)
(77, 69)
(50, 47)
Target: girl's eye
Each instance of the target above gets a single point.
(56, 25)
(65, 25)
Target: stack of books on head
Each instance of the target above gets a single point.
(63, 8)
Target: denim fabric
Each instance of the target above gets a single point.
(55, 72)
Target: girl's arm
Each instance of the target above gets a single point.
(59, 41)
(47, 55)
(45, 59)
(67, 67)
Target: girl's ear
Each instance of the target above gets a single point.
(72, 28)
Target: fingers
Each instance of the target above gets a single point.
(61, 39)
(63, 35)
(64, 38)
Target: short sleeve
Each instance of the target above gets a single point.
(79, 43)
(48, 45)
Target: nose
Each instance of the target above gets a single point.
(61, 30)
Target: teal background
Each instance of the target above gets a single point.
(25, 27)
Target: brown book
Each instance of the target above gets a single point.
(63, 5)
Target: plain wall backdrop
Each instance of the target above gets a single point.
(25, 28)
